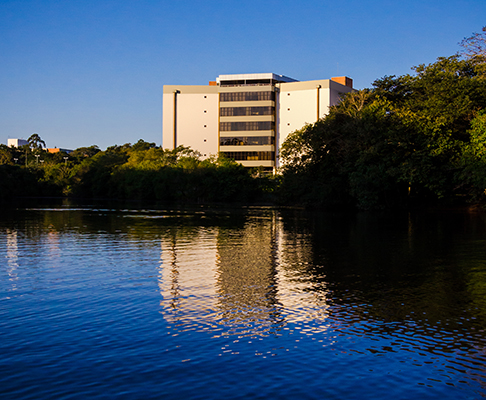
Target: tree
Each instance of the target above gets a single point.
(473, 174)
(475, 45)
(142, 145)
(6, 155)
(474, 49)
(83, 152)
(35, 142)
(355, 156)
(401, 141)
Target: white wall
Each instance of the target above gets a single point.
(197, 121)
(296, 108)
(297, 104)
(16, 142)
(197, 111)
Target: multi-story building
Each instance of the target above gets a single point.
(16, 142)
(245, 116)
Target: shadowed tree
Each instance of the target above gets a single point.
(399, 143)
(35, 142)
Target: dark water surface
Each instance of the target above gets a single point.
(241, 304)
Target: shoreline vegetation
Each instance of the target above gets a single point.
(410, 141)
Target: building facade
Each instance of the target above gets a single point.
(245, 116)
(59, 150)
(16, 142)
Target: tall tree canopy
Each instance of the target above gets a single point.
(475, 45)
(35, 142)
(474, 48)
(404, 140)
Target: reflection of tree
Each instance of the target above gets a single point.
(12, 257)
(397, 267)
(174, 276)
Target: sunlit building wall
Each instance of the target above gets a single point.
(245, 116)
(16, 142)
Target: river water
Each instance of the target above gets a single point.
(248, 303)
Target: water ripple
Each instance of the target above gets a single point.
(102, 303)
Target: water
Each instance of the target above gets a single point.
(246, 303)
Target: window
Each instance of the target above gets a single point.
(250, 155)
(240, 111)
(247, 126)
(248, 82)
(246, 141)
(247, 96)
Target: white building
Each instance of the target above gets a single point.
(16, 142)
(245, 116)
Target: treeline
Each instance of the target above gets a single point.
(410, 140)
(141, 171)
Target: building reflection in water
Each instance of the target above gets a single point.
(246, 280)
(187, 275)
(247, 284)
(302, 291)
(12, 257)
(53, 246)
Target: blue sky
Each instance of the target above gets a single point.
(89, 72)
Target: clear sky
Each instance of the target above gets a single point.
(89, 72)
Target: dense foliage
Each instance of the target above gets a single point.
(413, 139)
(138, 172)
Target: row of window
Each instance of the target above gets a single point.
(248, 82)
(239, 111)
(250, 155)
(247, 126)
(247, 96)
(246, 141)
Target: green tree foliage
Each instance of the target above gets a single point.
(180, 176)
(84, 152)
(354, 156)
(6, 155)
(139, 172)
(473, 171)
(402, 141)
(143, 145)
